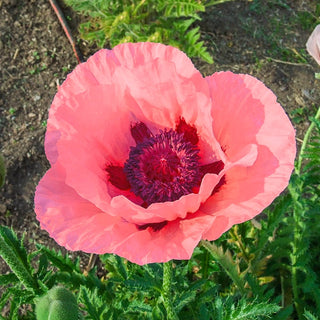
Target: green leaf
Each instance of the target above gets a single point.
(93, 303)
(254, 311)
(9, 278)
(15, 255)
(184, 299)
(224, 258)
(284, 313)
(181, 8)
(195, 48)
(165, 21)
(139, 307)
(63, 262)
(309, 316)
(115, 265)
(4, 299)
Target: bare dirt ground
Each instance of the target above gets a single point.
(263, 38)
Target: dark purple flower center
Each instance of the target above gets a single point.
(163, 167)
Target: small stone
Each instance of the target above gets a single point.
(16, 24)
(11, 3)
(300, 101)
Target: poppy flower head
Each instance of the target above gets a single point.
(182, 157)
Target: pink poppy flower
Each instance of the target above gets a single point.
(148, 157)
(313, 44)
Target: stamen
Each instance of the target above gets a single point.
(163, 167)
(139, 132)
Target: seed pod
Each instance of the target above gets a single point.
(57, 304)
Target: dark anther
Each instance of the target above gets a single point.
(139, 132)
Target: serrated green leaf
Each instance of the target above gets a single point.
(224, 258)
(4, 299)
(139, 307)
(9, 278)
(184, 299)
(138, 21)
(93, 303)
(181, 8)
(63, 262)
(15, 255)
(251, 311)
(309, 315)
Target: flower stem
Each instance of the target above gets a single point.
(166, 291)
(304, 143)
(205, 264)
(296, 190)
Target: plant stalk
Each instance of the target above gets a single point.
(166, 291)
(297, 209)
(304, 143)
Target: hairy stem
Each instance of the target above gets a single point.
(166, 291)
(205, 263)
(296, 190)
(305, 142)
(297, 207)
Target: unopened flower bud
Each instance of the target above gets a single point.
(57, 304)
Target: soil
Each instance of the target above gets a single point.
(36, 56)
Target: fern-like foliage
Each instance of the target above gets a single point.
(164, 21)
(305, 191)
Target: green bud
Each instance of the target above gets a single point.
(57, 304)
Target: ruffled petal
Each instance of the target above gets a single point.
(164, 211)
(248, 190)
(86, 131)
(77, 224)
(176, 240)
(237, 115)
(90, 129)
(238, 122)
(72, 221)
